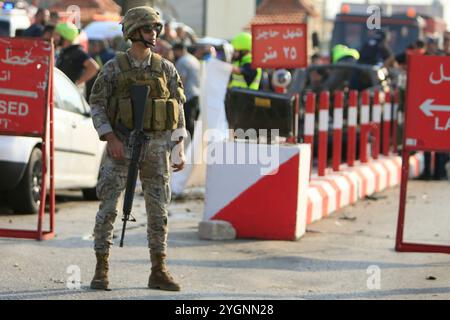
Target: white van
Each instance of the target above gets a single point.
(13, 22)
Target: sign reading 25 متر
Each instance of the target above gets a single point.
(279, 46)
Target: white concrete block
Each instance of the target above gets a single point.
(216, 230)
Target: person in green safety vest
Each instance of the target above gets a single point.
(243, 75)
(340, 78)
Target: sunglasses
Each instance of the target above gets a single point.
(155, 27)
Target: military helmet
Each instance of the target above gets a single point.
(67, 30)
(139, 17)
(242, 41)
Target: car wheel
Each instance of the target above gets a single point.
(90, 194)
(26, 197)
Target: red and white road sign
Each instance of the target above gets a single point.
(428, 103)
(427, 127)
(26, 95)
(279, 45)
(24, 76)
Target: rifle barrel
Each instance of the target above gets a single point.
(139, 94)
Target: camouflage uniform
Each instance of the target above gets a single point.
(154, 165)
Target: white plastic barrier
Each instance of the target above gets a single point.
(214, 81)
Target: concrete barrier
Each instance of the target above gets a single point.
(260, 200)
(337, 190)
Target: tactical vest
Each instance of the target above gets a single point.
(238, 80)
(161, 113)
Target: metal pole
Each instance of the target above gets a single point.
(204, 17)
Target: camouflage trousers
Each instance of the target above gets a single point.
(154, 173)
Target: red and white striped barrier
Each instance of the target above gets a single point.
(259, 205)
(338, 122)
(387, 118)
(352, 123)
(395, 120)
(323, 131)
(279, 206)
(376, 123)
(333, 192)
(309, 122)
(364, 124)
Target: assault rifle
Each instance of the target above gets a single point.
(139, 94)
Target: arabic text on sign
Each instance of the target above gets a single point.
(265, 35)
(442, 76)
(16, 60)
(290, 53)
(270, 55)
(293, 34)
(5, 75)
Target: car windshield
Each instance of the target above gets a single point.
(4, 29)
(69, 96)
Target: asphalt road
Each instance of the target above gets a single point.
(349, 255)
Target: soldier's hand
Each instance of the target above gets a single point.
(178, 157)
(115, 147)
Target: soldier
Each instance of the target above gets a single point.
(163, 122)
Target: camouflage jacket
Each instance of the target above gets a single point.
(106, 82)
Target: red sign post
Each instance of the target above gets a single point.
(427, 126)
(279, 46)
(26, 100)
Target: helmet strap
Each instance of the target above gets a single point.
(146, 43)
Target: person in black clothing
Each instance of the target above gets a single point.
(72, 60)
(377, 52)
(37, 28)
(447, 43)
(49, 31)
(99, 51)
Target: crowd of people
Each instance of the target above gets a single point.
(177, 44)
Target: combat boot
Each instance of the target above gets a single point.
(160, 278)
(100, 280)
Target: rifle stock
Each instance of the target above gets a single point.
(139, 94)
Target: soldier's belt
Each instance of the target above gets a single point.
(124, 132)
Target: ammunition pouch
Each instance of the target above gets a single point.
(161, 113)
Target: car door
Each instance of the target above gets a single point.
(63, 132)
(84, 149)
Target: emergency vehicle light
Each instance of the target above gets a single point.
(8, 6)
(411, 12)
(345, 9)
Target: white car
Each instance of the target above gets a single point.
(78, 152)
(13, 21)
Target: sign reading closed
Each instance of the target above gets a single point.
(24, 77)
